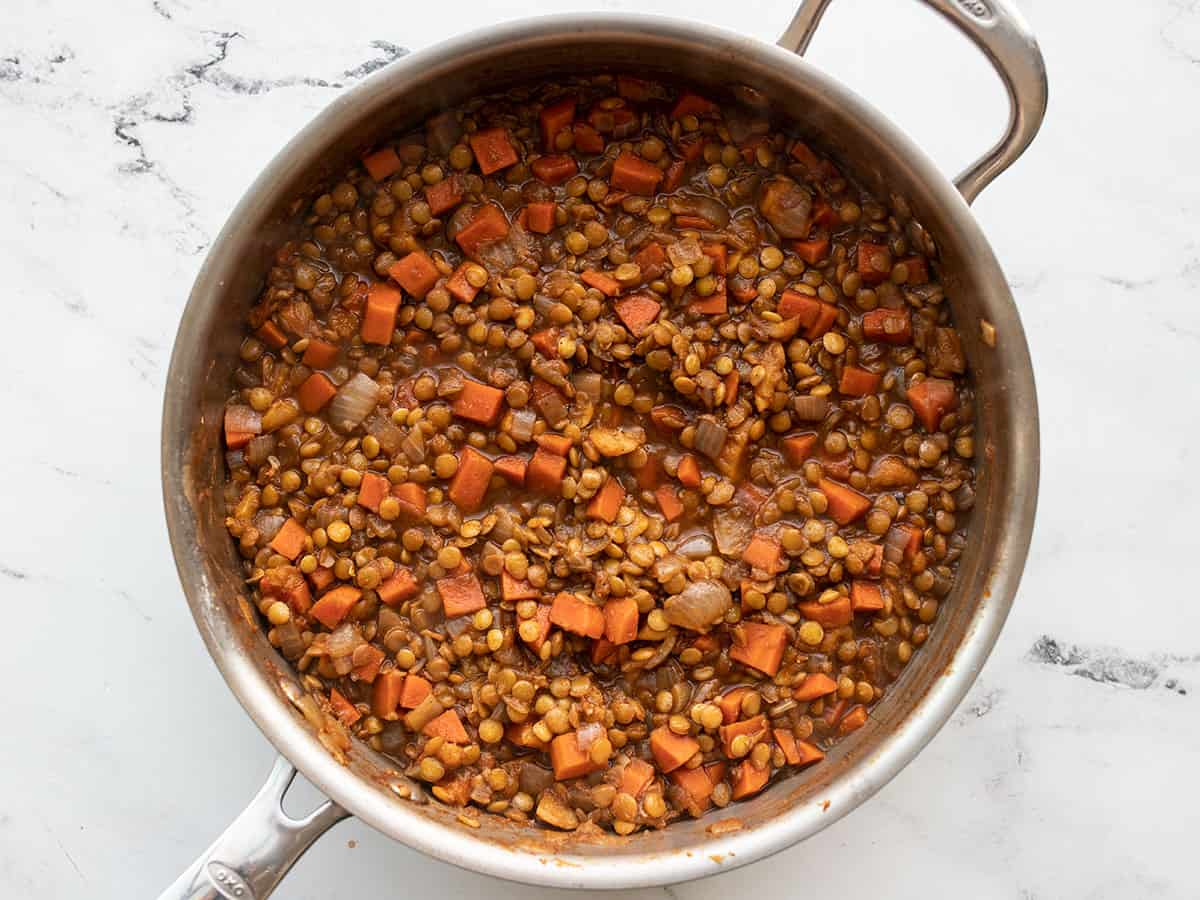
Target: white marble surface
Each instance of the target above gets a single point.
(127, 132)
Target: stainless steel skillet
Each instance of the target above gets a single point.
(248, 860)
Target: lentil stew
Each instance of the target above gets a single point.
(600, 452)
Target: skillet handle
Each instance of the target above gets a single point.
(254, 853)
(1000, 31)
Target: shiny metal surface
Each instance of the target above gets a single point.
(1002, 35)
(839, 122)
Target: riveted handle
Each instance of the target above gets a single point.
(1000, 31)
(254, 853)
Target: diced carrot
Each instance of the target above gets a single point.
(319, 354)
(372, 489)
(749, 779)
(875, 563)
(345, 711)
(382, 163)
(448, 726)
(931, 399)
(545, 472)
(826, 317)
(752, 727)
(400, 586)
(632, 173)
(715, 304)
(587, 138)
(488, 225)
(814, 685)
(512, 468)
(688, 472)
(620, 620)
(445, 195)
(793, 304)
(845, 503)
(315, 392)
(745, 294)
(571, 614)
(812, 251)
(828, 615)
(719, 254)
(568, 758)
(798, 447)
(749, 147)
(493, 150)
(668, 502)
(515, 589)
(454, 790)
(787, 743)
(559, 444)
(379, 321)
(546, 342)
(865, 597)
(706, 642)
(671, 750)
(759, 646)
(412, 499)
(289, 540)
(730, 704)
(461, 594)
(825, 215)
(853, 720)
(605, 284)
(804, 155)
(764, 553)
(834, 712)
(321, 579)
(416, 273)
(458, 286)
(470, 482)
(858, 382)
(607, 502)
(697, 783)
(649, 476)
(892, 326)
(636, 777)
(385, 694)
(522, 735)
(918, 269)
(874, 262)
(540, 219)
(554, 169)
(542, 618)
(335, 605)
(673, 177)
(554, 118)
(272, 335)
(685, 221)
(478, 402)
(367, 659)
(603, 652)
(799, 753)
(913, 542)
(415, 690)
(637, 311)
(732, 380)
(690, 104)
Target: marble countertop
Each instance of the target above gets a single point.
(128, 130)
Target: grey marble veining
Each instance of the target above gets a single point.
(128, 131)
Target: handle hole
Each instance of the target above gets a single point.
(301, 798)
(920, 71)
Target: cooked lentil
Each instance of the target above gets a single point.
(601, 452)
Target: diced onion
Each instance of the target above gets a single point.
(353, 403)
